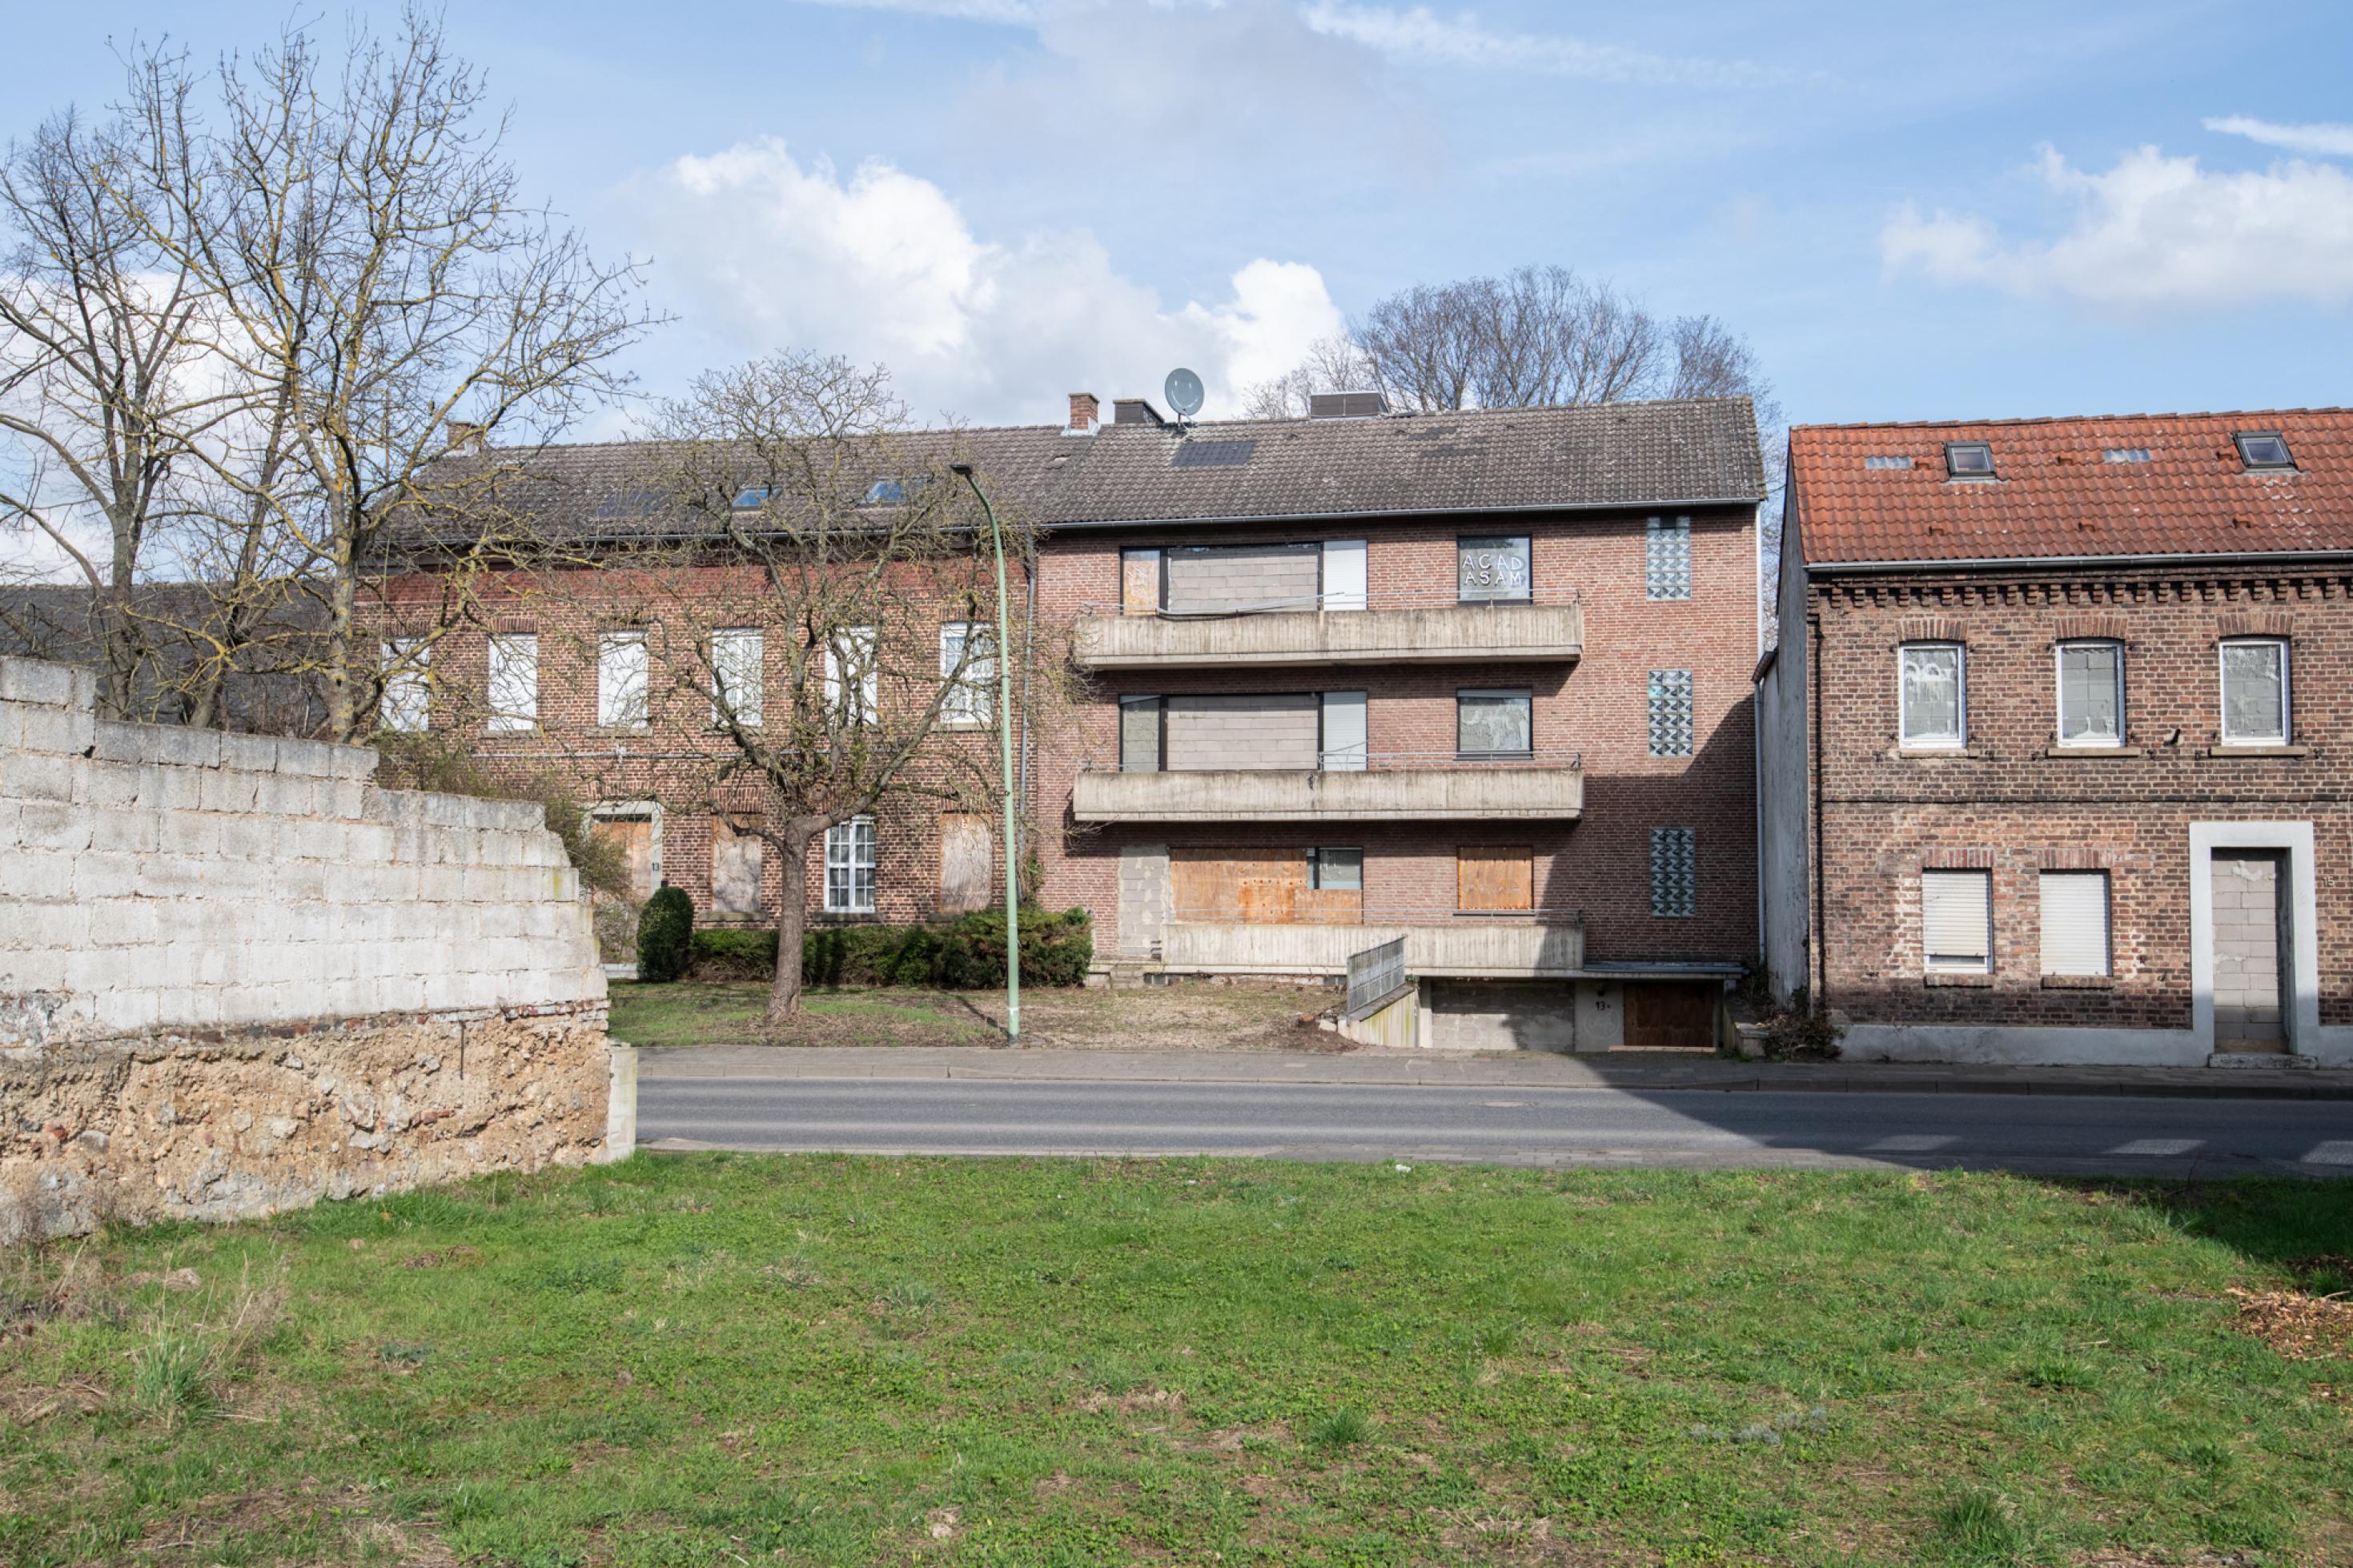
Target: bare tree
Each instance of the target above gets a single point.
(1333, 364)
(811, 517)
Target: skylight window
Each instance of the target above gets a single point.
(2125, 455)
(1968, 459)
(752, 498)
(2263, 449)
(1887, 462)
(891, 492)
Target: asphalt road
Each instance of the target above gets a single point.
(2055, 1134)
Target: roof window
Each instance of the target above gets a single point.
(751, 498)
(1968, 459)
(2263, 449)
(891, 492)
(2125, 455)
(1887, 462)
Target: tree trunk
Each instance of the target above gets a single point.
(792, 920)
(342, 722)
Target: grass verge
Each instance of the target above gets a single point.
(819, 1360)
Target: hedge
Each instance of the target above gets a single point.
(966, 954)
(666, 934)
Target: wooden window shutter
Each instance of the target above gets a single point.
(1956, 919)
(2074, 923)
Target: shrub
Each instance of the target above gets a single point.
(966, 954)
(431, 762)
(665, 935)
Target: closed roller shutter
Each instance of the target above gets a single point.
(1957, 918)
(2074, 923)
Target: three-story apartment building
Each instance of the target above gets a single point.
(1478, 680)
(2055, 738)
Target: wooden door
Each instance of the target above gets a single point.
(1671, 1013)
(967, 862)
(1502, 878)
(635, 837)
(1260, 886)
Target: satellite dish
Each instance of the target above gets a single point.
(1183, 390)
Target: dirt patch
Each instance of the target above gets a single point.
(2299, 1327)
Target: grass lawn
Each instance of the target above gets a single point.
(1183, 1018)
(814, 1360)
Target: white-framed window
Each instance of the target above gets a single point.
(621, 673)
(515, 681)
(1671, 713)
(1674, 873)
(408, 703)
(2091, 693)
(853, 680)
(1932, 679)
(850, 868)
(737, 678)
(2255, 692)
(1956, 921)
(1666, 558)
(1493, 570)
(972, 697)
(2075, 922)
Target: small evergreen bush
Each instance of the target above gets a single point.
(965, 953)
(665, 935)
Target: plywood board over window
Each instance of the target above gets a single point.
(734, 869)
(634, 836)
(1494, 877)
(1265, 886)
(967, 862)
(1139, 582)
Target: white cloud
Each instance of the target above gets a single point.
(2312, 141)
(881, 266)
(1014, 12)
(2154, 232)
(1421, 36)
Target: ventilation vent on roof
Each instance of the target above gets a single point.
(2125, 455)
(1887, 462)
(1212, 454)
(1347, 406)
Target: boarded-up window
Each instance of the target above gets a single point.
(1489, 877)
(1139, 734)
(1956, 920)
(1222, 579)
(1274, 731)
(634, 836)
(2074, 923)
(1664, 1013)
(967, 862)
(1139, 582)
(734, 869)
(1258, 885)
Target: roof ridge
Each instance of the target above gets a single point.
(2045, 419)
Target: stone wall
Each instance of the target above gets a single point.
(236, 975)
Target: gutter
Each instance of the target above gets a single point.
(2030, 563)
(1662, 504)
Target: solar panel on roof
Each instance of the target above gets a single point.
(1212, 454)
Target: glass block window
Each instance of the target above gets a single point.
(1671, 713)
(1666, 559)
(1492, 723)
(1674, 873)
(1492, 571)
(850, 868)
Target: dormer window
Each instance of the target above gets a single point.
(1968, 459)
(2263, 449)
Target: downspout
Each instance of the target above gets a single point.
(1820, 920)
(1029, 647)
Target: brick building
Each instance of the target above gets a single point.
(1479, 678)
(2054, 738)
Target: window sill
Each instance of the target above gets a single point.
(522, 731)
(846, 918)
(2079, 982)
(2064, 750)
(620, 731)
(1961, 979)
(1909, 753)
(2236, 751)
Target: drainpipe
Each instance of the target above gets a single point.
(1818, 924)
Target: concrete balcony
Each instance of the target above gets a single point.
(1461, 950)
(1517, 793)
(1456, 633)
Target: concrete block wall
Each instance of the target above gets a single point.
(1212, 580)
(159, 878)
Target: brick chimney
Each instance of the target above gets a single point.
(466, 437)
(1085, 413)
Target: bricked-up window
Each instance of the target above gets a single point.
(1933, 681)
(737, 682)
(1492, 722)
(2091, 694)
(515, 681)
(1956, 921)
(407, 705)
(2075, 922)
(2254, 692)
(621, 680)
(1671, 713)
(1492, 571)
(1336, 870)
(972, 698)
(850, 868)
(1140, 733)
(1674, 873)
(1666, 558)
(852, 680)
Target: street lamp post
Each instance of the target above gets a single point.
(1004, 741)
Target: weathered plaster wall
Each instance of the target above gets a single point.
(235, 974)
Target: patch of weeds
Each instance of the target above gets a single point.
(2061, 1373)
(405, 1355)
(169, 1377)
(1985, 1529)
(1341, 1428)
(580, 1274)
(1494, 1341)
(908, 1295)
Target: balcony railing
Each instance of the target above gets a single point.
(1461, 950)
(1412, 627)
(1395, 787)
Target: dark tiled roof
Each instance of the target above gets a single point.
(1611, 455)
(2056, 495)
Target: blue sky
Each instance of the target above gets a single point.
(1912, 211)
